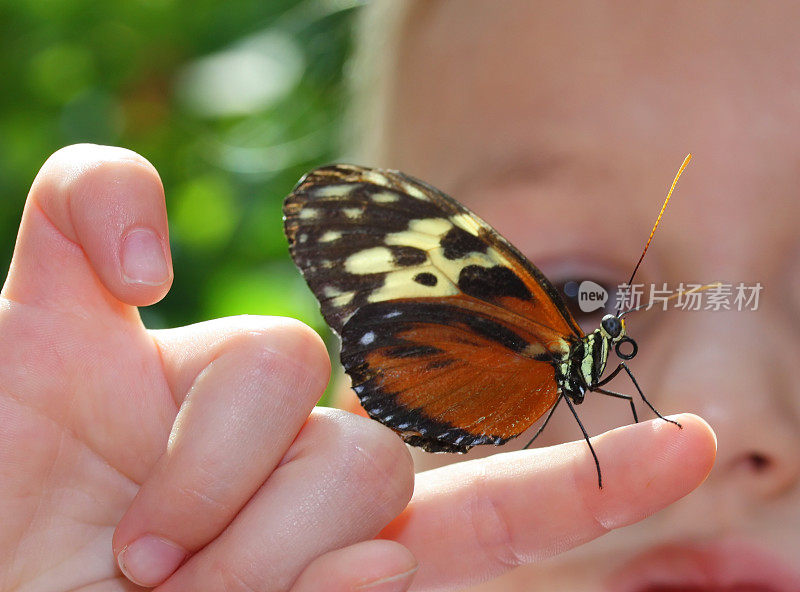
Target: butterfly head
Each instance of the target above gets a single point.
(612, 327)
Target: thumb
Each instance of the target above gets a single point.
(94, 230)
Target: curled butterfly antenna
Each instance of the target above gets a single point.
(658, 219)
(676, 295)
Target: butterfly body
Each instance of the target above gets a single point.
(584, 367)
(450, 336)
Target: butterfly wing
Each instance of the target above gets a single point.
(445, 374)
(448, 332)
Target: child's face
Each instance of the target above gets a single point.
(563, 126)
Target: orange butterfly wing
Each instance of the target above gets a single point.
(449, 334)
(447, 377)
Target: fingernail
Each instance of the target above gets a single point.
(150, 560)
(396, 583)
(143, 260)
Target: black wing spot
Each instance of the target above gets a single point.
(426, 279)
(459, 243)
(406, 256)
(488, 283)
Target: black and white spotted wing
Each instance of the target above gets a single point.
(362, 235)
(449, 334)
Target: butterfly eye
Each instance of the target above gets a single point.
(612, 325)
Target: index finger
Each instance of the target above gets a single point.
(472, 521)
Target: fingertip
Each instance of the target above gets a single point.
(150, 560)
(118, 211)
(298, 341)
(287, 341)
(107, 201)
(647, 466)
(702, 428)
(700, 444)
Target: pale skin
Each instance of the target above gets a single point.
(256, 490)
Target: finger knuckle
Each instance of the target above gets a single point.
(281, 346)
(492, 527)
(234, 577)
(374, 457)
(210, 501)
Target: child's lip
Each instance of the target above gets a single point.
(726, 566)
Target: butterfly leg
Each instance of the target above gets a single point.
(624, 366)
(610, 377)
(586, 437)
(541, 428)
(619, 396)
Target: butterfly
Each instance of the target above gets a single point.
(451, 337)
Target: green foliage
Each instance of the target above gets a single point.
(231, 101)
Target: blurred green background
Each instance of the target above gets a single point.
(231, 101)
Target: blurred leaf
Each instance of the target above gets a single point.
(203, 213)
(61, 72)
(92, 117)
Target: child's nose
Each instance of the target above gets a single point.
(736, 369)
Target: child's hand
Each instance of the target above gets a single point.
(200, 447)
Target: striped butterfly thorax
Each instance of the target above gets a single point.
(451, 337)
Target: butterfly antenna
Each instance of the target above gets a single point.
(658, 220)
